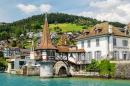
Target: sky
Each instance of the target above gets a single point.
(109, 10)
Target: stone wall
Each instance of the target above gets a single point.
(33, 70)
(122, 70)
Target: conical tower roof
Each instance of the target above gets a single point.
(46, 39)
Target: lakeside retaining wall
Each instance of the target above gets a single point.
(122, 70)
(33, 70)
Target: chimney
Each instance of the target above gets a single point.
(110, 28)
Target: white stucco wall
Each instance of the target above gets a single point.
(103, 46)
(16, 62)
(74, 58)
(119, 45)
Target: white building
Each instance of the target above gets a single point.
(8, 51)
(104, 41)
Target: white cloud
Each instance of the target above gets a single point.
(45, 7)
(111, 10)
(125, 8)
(32, 8)
(27, 9)
(105, 4)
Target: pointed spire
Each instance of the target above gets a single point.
(46, 39)
(46, 16)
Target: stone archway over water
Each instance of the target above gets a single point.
(60, 66)
(62, 71)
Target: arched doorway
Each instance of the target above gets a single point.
(62, 71)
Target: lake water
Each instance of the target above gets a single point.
(14, 80)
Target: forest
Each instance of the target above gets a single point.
(35, 22)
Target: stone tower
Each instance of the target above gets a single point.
(46, 53)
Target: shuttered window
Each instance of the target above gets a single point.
(97, 42)
(116, 54)
(89, 55)
(114, 41)
(125, 55)
(82, 44)
(89, 43)
(98, 55)
(124, 42)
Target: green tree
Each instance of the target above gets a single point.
(1, 54)
(3, 63)
(56, 22)
(13, 44)
(18, 33)
(24, 32)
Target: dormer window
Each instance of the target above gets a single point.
(84, 34)
(96, 31)
(127, 32)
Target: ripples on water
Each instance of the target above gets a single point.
(14, 80)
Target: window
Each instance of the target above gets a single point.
(97, 55)
(51, 53)
(71, 55)
(84, 34)
(116, 54)
(124, 42)
(127, 32)
(97, 42)
(114, 41)
(89, 55)
(82, 44)
(124, 54)
(12, 65)
(22, 63)
(96, 31)
(88, 43)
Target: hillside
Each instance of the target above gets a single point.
(66, 27)
(35, 22)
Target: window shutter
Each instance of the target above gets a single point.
(127, 54)
(91, 55)
(100, 55)
(113, 55)
(95, 55)
(123, 42)
(86, 56)
(117, 54)
(122, 54)
(126, 43)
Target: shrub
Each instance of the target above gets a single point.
(106, 67)
(93, 65)
(112, 71)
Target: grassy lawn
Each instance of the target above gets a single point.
(67, 27)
